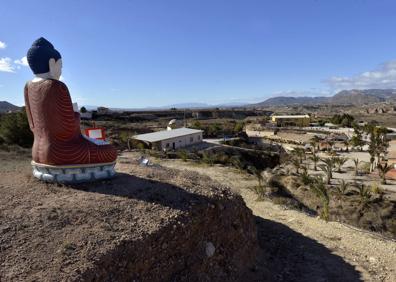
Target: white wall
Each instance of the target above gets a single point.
(182, 141)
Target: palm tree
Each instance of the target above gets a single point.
(364, 193)
(356, 162)
(346, 143)
(299, 153)
(258, 173)
(315, 159)
(383, 170)
(327, 168)
(342, 187)
(297, 164)
(340, 161)
(315, 142)
(320, 190)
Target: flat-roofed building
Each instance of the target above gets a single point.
(171, 139)
(291, 120)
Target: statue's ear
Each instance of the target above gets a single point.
(51, 64)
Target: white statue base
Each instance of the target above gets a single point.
(73, 174)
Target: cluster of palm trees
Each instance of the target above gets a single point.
(327, 165)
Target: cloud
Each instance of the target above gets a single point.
(2, 45)
(22, 62)
(383, 77)
(5, 65)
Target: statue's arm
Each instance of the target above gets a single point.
(27, 108)
(70, 119)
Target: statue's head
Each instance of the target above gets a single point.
(44, 58)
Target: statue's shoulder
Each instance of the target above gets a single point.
(53, 83)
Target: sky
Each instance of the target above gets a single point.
(131, 54)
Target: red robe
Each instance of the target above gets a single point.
(56, 127)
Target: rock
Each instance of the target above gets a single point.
(209, 249)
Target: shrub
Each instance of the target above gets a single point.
(365, 168)
(14, 129)
(183, 154)
(305, 178)
(207, 158)
(364, 193)
(376, 189)
(342, 187)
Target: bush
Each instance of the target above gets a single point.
(183, 154)
(15, 130)
(376, 189)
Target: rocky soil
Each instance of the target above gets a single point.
(148, 224)
(296, 246)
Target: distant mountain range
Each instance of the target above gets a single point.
(6, 107)
(345, 97)
(177, 106)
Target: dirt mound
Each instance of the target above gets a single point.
(148, 224)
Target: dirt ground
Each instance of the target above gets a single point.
(300, 247)
(146, 224)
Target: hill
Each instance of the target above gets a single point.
(5, 107)
(345, 97)
(156, 224)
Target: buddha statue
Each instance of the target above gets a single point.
(60, 152)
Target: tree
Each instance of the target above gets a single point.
(346, 143)
(299, 153)
(238, 127)
(378, 145)
(315, 159)
(258, 173)
(356, 162)
(342, 187)
(383, 169)
(14, 129)
(320, 190)
(314, 142)
(83, 110)
(340, 161)
(327, 168)
(356, 140)
(297, 164)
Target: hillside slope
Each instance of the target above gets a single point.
(154, 224)
(6, 106)
(345, 97)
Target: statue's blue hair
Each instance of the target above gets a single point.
(39, 55)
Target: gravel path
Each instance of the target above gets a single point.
(370, 256)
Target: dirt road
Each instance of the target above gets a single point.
(300, 247)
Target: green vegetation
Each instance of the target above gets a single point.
(342, 187)
(364, 193)
(219, 129)
(356, 163)
(318, 187)
(383, 169)
(344, 120)
(327, 167)
(14, 129)
(315, 159)
(339, 162)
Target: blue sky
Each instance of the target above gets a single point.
(152, 53)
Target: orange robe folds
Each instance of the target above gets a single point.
(56, 127)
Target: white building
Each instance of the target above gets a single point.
(171, 139)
